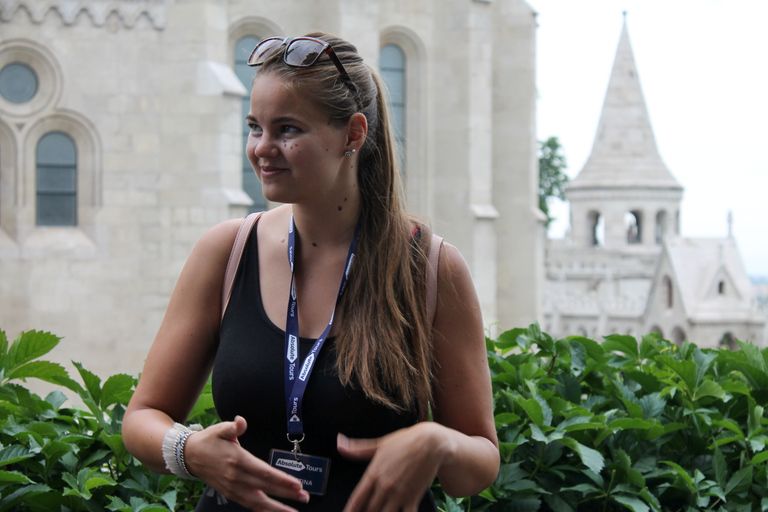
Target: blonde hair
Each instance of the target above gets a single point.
(385, 344)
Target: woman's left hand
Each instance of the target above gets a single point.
(403, 465)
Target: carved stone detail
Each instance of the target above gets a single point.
(101, 12)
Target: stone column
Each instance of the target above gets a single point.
(480, 168)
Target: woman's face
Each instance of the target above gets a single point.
(297, 154)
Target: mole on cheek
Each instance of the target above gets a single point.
(340, 208)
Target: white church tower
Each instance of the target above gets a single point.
(625, 269)
(624, 198)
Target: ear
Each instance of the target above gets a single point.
(357, 130)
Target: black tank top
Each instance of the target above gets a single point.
(248, 381)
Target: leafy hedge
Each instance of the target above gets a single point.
(583, 426)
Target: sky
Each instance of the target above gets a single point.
(703, 68)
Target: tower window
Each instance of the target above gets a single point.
(56, 180)
(18, 82)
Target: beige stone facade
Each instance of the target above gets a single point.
(146, 91)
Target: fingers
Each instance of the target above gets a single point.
(356, 449)
(215, 455)
(381, 496)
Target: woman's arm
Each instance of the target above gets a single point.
(460, 446)
(175, 372)
(463, 395)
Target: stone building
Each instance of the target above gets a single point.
(121, 142)
(624, 268)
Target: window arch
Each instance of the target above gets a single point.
(56, 180)
(62, 182)
(721, 288)
(408, 68)
(251, 184)
(596, 231)
(728, 340)
(392, 69)
(668, 292)
(678, 336)
(633, 223)
(661, 226)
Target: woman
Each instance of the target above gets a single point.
(343, 419)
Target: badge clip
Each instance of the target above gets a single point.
(296, 449)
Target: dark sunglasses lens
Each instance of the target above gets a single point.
(263, 50)
(303, 53)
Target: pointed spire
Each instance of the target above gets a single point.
(624, 153)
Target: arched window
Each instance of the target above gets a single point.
(668, 292)
(661, 226)
(729, 341)
(18, 82)
(721, 288)
(251, 184)
(596, 225)
(678, 336)
(657, 329)
(392, 69)
(634, 228)
(56, 180)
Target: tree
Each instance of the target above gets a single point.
(552, 180)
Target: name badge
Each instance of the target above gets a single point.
(312, 471)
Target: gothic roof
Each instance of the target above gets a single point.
(711, 278)
(624, 154)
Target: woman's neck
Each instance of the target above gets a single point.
(324, 226)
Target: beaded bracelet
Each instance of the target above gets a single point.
(173, 449)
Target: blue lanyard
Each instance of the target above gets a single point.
(295, 385)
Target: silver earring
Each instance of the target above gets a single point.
(349, 153)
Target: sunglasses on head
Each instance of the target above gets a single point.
(300, 52)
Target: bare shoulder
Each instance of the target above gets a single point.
(462, 392)
(455, 285)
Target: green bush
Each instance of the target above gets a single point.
(56, 458)
(583, 426)
(622, 425)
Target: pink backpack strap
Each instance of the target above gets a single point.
(432, 261)
(235, 256)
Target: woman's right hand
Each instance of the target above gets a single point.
(215, 455)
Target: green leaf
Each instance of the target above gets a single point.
(91, 381)
(99, 480)
(591, 458)
(14, 454)
(686, 370)
(8, 477)
(9, 502)
(624, 344)
(629, 423)
(115, 443)
(505, 419)
(709, 388)
(28, 346)
(509, 339)
(740, 481)
(203, 404)
(632, 503)
(116, 389)
(532, 407)
(683, 474)
(720, 466)
(3, 345)
(169, 498)
(43, 370)
(118, 505)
